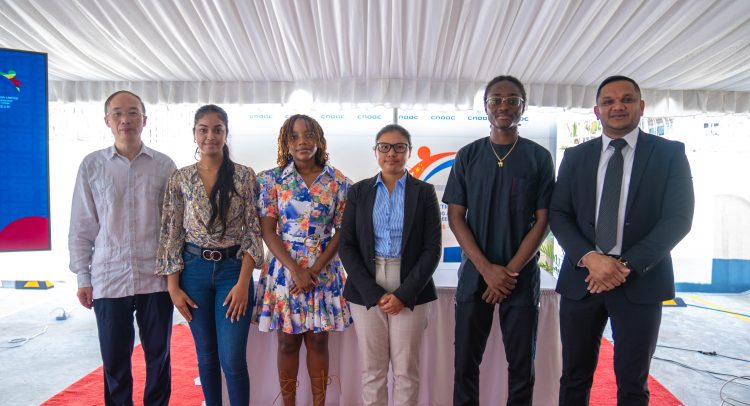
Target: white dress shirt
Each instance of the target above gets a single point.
(114, 222)
(628, 153)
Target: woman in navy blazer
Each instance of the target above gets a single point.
(390, 246)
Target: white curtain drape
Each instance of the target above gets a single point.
(688, 56)
(395, 93)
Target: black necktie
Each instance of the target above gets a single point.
(609, 205)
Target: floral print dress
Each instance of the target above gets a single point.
(306, 219)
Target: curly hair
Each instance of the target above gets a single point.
(285, 133)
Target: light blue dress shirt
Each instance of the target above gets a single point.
(388, 218)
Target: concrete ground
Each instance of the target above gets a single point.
(40, 356)
(707, 325)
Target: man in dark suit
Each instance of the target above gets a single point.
(621, 203)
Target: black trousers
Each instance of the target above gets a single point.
(473, 326)
(635, 330)
(114, 319)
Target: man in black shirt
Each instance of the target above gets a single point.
(498, 196)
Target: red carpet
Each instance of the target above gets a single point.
(89, 390)
(604, 389)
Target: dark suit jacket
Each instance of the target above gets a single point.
(658, 214)
(420, 244)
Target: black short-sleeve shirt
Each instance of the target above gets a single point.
(501, 205)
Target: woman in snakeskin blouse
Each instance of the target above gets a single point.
(210, 243)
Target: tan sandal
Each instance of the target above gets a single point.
(288, 389)
(319, 386)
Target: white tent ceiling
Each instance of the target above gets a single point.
(688, 55)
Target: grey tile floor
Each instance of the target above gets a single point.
(62, 351)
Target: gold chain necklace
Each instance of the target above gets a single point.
(500, 160)
(206, 168)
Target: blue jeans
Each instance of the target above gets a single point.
(219, 343)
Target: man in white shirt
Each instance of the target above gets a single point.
(114, 231)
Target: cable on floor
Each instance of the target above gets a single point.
(736, 392)
(719, 310)
(19, 341)
(709, 353)
(705, 371)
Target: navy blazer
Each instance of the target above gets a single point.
(658, 214)
(421, 244)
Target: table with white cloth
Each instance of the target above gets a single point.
(436, 371)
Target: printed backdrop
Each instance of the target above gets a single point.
(24, 181)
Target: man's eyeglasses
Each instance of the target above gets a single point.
(132, 114)
(384, 147)
(514, 101)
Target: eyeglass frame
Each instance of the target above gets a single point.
(131, 114)
(394, 147)
(504, 100)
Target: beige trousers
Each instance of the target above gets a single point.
(384, 339)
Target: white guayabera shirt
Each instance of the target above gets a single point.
(114, 222)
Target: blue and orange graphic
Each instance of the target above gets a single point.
(428, 159)
(420, 171)
(11, 75)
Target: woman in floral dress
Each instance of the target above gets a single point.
(300, 291)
